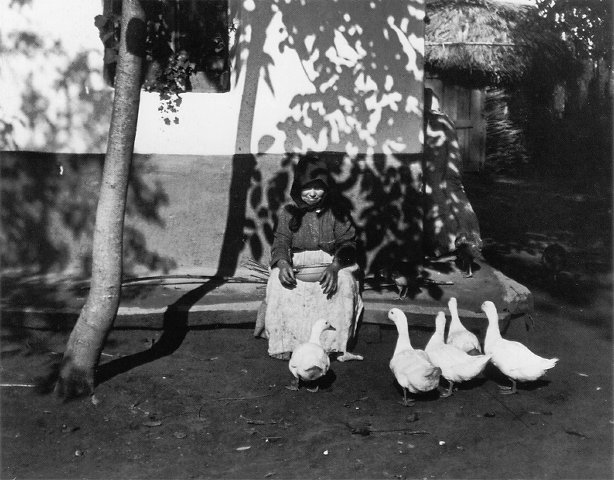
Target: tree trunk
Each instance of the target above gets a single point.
(96, 319)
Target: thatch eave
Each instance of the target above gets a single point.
(488, 42)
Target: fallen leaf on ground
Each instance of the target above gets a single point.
(577, 434)
(152, 423)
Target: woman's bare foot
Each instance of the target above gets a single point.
(347, 356)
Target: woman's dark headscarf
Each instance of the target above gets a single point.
(309, 170)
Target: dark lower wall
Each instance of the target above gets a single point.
(194, 214)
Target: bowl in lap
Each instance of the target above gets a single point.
(309, 273)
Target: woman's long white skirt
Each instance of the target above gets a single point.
(289, 314)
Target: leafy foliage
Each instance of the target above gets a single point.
(182, 47)
(585, 23)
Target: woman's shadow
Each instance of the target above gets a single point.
(174, 330)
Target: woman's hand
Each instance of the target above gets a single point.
(329, 279)
(286, 274)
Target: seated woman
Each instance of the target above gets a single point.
(311, 231)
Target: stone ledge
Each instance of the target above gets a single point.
(146, 305)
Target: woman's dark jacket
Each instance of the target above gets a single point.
(301, 227)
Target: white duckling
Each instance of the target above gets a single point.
(456, 365)
(458, 335)
(309, 361)
(513, 358)
(411, 367)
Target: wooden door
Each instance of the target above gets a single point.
(466, 109)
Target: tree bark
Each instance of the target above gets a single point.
(87, 339)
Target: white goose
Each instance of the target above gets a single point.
(411, 367)
(458, 335)
(309, 360)
(514, 359)
(456, 365)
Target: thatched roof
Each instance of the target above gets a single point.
(489, 42)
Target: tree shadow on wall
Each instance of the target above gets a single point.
(48, 215)
(366, 74)
(382, 196)
(367, 87)
(49, 210)
(57, 117)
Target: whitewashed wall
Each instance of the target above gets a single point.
(54, 96)
(342, 76)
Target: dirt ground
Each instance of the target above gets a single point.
(217, 407)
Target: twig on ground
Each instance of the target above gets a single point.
(234, 399)
(351, 402)
(266, 438)
(253, 422)
(241, 398)
(365, 431)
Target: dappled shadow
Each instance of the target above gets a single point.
(366, 75)
(354, 57)
(55, 116)
(449, 216)
(381, 194)
(49, 199)
(366, 99)
(358, 103)
(48, 214)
